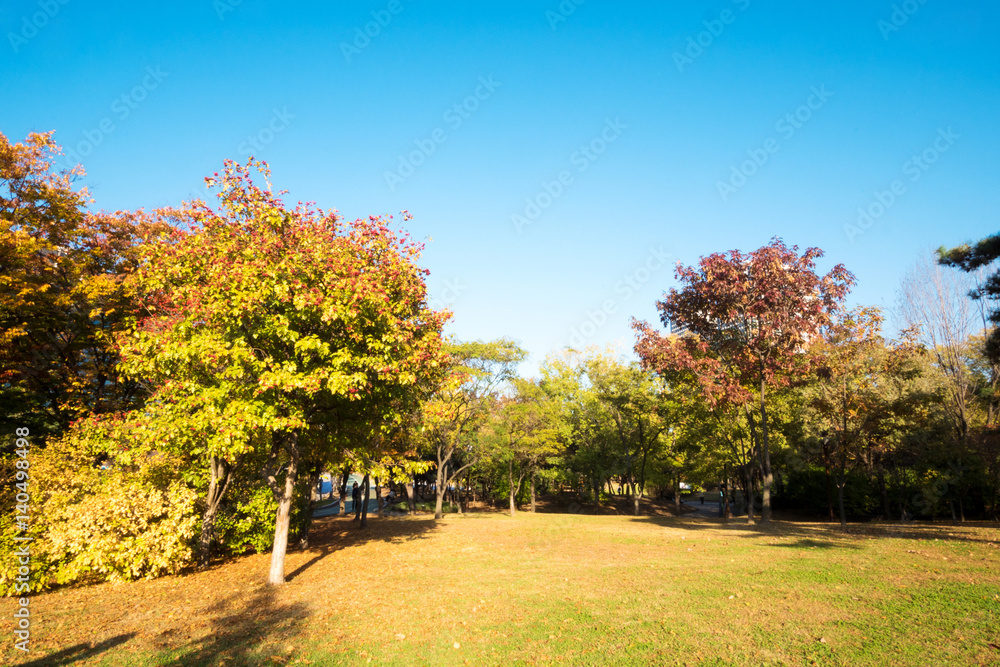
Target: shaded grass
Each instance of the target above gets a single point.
(556, 589)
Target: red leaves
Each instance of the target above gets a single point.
(745, 317)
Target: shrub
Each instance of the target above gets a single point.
(115, 524)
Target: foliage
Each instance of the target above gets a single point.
(106, 522)
(971, 258)
(62, 297)
(745, 320)
(274, 326)
(473, 380)
(246, 518)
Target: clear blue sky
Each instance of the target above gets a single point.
(667, 101)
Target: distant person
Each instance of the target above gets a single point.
(356, 499)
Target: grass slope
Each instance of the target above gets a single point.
(485, 589)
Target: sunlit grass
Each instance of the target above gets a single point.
(558, 589)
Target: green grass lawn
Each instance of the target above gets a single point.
(485, 589)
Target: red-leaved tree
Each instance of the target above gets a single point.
(745, 322)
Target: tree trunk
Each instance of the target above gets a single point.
(677, 494)
(597, 495)
(532, 493)
(438, 502)
(410, 500)
(440, 478)
(510, 486)
(378, 495)
(749, 493)
(829, 478)
(841, 483)
(222, 475)
(364, 503)
(342, 503)
(284, 496)
(768, 477)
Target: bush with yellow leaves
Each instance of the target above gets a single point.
(92, 520)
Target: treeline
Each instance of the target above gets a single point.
(187, 375)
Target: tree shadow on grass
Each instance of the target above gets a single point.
(829, 532)
(75, 654)
(329, 535)
(815, 544)
(252, 629)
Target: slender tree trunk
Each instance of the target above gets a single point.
(597, 495)
(677, 493)
(748, 472)
(841, 483)
(439, 489)
(510, 486)
(829, 478)
(532, 492)
(276, 576)
(768, 477)
(222, 475)
(378, 495)
(342, 502)
(410, 500)
(438, 503)
(364, 502)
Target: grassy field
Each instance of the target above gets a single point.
(485, 589)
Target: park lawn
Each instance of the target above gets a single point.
(486, 589)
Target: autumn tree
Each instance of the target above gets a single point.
(590, 450)
(523, 432)
(61, 293)
(290, 318)
(476, 375)
(748, 319)
(640, 409)
(859, 392)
